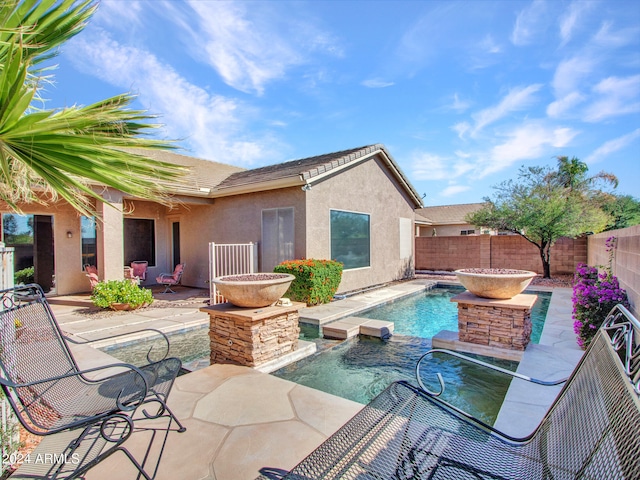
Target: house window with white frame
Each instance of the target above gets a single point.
(351, 238)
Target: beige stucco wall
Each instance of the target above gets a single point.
(234, 219)
(68, 253)
(365, 188)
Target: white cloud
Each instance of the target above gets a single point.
(377, 83)
(569, 21)
(459, 105)
(453, 190)
(461, 129)
(427, 166)
(570, 74)
(528, 23)
(250, 45)
(489, 45)
(567, 103)
(612, 146)
(211, 125)
(113, 14)
(617, 96)
(517, 99)
(620, 38)
(527, 142)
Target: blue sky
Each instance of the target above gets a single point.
(462, 93)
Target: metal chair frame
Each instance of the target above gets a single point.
(168, 280)
(591, 431)
(93, 410)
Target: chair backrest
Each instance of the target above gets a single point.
(92, 274)
(177, 272)
(594, 425)
(32, 348)
(139, 268)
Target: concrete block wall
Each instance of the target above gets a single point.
(447, 253)
(626, 260)
(497, 251)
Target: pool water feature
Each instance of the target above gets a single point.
(425, 314)
(360, 368)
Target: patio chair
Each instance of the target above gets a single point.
(139, 269)
(591, 431)
(91, 271)
(168, 280)
(88, 414)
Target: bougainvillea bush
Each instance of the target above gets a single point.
(316, 280)
(595, 293)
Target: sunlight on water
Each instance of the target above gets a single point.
(361, 368)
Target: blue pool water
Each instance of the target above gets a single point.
(361, 368)
(425, 314)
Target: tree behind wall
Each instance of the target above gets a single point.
(544, 204)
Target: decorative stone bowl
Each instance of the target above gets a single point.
(498, 283)
(253, 289)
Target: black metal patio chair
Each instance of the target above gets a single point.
(92, 412)
(591, 431)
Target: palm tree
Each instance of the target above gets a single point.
(51, 154)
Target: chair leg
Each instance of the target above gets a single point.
(167, 289)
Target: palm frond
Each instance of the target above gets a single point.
(69, 152)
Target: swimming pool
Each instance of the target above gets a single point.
(361, 368)
(425, 314)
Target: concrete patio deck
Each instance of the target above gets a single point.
(239, 420)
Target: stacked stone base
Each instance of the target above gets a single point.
(495, 323)
(252, 337)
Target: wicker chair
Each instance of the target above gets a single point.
(92, 412)
(592, 430)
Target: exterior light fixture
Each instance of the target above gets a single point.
(69, 234)
(306, 187)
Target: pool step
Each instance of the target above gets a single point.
(351, 326)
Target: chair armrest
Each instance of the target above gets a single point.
(135, 389)
(165, 276)
(149, 359)
(480, 363)
(435, 395)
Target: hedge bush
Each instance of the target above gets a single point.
(106, 294)
(24, 276)
(316, 280)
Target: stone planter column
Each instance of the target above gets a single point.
(252, 336)
(495, 323)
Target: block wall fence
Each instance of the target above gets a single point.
(497, 251)
(513, 251)
(626, 260)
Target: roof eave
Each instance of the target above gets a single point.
(291, 181)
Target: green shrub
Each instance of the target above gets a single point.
(106, 294)
(316, 280)
(24, 276)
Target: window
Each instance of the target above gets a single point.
(277, 237)
(88, 241)
(139, 240)
(467, 232)
(350, 239)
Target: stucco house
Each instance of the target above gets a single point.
(355, 206)
(447, 220)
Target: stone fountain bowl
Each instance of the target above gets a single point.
(253, 289)
(498, 283)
